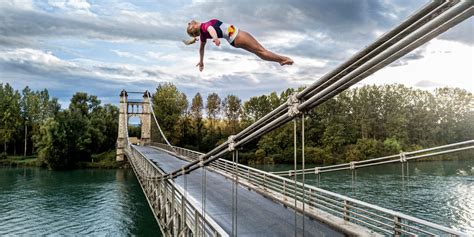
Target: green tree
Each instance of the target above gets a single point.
(213, 108)
(170, 104)
(36, 107)
(10, 117)
(196, 113)
(232, 112)
(52, 144)
(257, 107)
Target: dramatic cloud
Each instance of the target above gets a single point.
(102, 47)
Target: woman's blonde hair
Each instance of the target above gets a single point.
(193, 33)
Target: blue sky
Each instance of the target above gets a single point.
(101, 47)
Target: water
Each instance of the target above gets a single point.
(95, 202)
(110, 202)
(438, 191)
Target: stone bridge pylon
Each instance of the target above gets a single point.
(129, 108)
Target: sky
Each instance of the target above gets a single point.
(102, 47)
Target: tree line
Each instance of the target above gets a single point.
(360, 123)
(34, 123)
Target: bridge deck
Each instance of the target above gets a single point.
(257, 215)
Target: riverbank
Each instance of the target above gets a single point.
(104, 160)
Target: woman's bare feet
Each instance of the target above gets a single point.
(286, 61)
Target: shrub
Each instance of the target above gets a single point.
(392, 146)
(316, 155)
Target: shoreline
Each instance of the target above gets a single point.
(105, 160)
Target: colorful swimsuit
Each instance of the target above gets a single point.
(223, 30)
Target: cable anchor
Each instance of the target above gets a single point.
(231, 142)
(293, 102)
(403, 157)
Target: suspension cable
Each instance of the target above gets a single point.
(158, 124)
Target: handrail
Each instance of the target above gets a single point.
(401, 157)
(146, 170)
(382, 219)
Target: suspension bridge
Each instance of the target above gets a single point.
(200, 194)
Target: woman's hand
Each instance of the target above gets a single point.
(217, 42)
(201, 66)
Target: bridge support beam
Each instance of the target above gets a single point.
(123, 120)
(146, 120)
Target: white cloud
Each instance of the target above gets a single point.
(81, 5)
(18, 4)
(128, 55)
(444, 63)
(149, 38)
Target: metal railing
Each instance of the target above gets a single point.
(372, 217)
(402, 157)
(175, 213)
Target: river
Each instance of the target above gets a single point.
(110, 202)
(95, 202)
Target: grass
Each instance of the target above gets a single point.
(105, 160)
(18, 161)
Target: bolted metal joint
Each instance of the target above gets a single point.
(352, 165)
(293, 102)
(403, 157)
(316, 170)
(201, 160)
(231, 142)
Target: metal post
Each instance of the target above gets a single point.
(236, 189)
(346, 210)
(302, 165)
(397, 227)
(183, 201)
(294, 158)
(203, 199)
(233, 192)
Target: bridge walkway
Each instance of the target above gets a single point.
(257, 215)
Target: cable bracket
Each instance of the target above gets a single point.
(403, 157)
(231, 142)
(293, 102)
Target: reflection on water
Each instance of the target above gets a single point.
(78, 202)
(438, 191)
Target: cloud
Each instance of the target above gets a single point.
(125, 25)
(128, 55)
(464, 32)
(413, 56)
(428, 84)
(102, 47)
(71, 5)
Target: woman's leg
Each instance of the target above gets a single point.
(246, 41)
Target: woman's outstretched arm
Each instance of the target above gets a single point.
(201, 55)
(213, 34)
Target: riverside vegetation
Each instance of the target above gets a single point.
(360, 123)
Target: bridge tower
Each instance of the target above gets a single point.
(123, 120)
(127, 109)
(145, 118)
